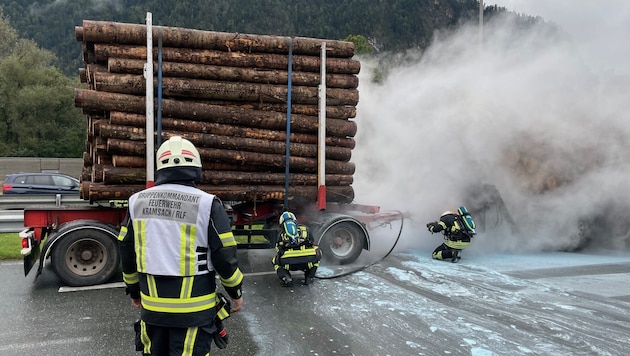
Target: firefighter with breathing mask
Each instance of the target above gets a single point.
(174, 241)
(295, 251)
(458, 230)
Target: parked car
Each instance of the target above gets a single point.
(40, 183)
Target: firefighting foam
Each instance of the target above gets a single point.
(525, 112)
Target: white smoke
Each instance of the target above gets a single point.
(39, 9)
(449, 117)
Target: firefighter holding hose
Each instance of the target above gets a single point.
(458, 230)
(295, 251)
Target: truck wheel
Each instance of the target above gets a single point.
(86, 256)
(342, 242)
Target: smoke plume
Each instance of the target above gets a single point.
(524, 111)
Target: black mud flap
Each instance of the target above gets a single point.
(29, 260)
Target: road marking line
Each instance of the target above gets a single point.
(43, 344)
(64, 289)
(259, 273)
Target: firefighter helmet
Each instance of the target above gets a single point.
(289, 225)
(177, 152)
(448, 212)
(287, 215)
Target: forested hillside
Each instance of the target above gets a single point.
(388, 25)
(40, 56)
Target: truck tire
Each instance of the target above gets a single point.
(342, 241)
(85, 254)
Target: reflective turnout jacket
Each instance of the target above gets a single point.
(452, 228)
(174, 240)
(303, 250)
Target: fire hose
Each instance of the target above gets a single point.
(363, 267)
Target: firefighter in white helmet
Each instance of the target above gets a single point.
(174, 241)
(458, 230)
(295, 251)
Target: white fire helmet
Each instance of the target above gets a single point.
(177, 152)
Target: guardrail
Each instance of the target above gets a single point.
(20, 201)
(12, 207)
(11, 220)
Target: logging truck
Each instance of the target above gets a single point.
(271, 116)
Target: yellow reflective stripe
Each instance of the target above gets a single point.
(234, 280)
(151, 285)
(459, 244)
(131, 278)
(139, 228)
(187, 250)
(122, 233)
(443, 224)
(222, 313)
(177, 305)
(299, 253)
(227, 239)
(146, 341)
(189, 341)
(186, 291)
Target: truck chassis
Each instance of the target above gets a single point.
(81, 241)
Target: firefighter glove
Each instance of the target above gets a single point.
(223, 307)
(220, 336)
(137, 339)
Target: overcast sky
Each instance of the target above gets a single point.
(600, 28)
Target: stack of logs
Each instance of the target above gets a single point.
(226, 93)
(543, 166)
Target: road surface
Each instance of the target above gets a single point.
(408, 304)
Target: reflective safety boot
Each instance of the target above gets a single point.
(286, 281)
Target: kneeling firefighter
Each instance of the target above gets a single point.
(295, 251)
(458, 229)
(175, 239)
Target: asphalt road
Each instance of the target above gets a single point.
(405, 305)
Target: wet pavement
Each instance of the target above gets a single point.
(407, 304)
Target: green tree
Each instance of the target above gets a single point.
(361, 44)
(37, 115)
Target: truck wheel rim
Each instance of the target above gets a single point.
(342, 243)
(86, 257)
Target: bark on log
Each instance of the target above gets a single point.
(296, 164)
(206, 112)
(230, 142)
(339, 194)
(220, 90)
(235, 74)
(104, 31)
(103, 51)
(128, 161)
(332, 112)
(87, 160)
(136, 120)
(111, 175)
(82, 75)
(137, 161)
(91, 69)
